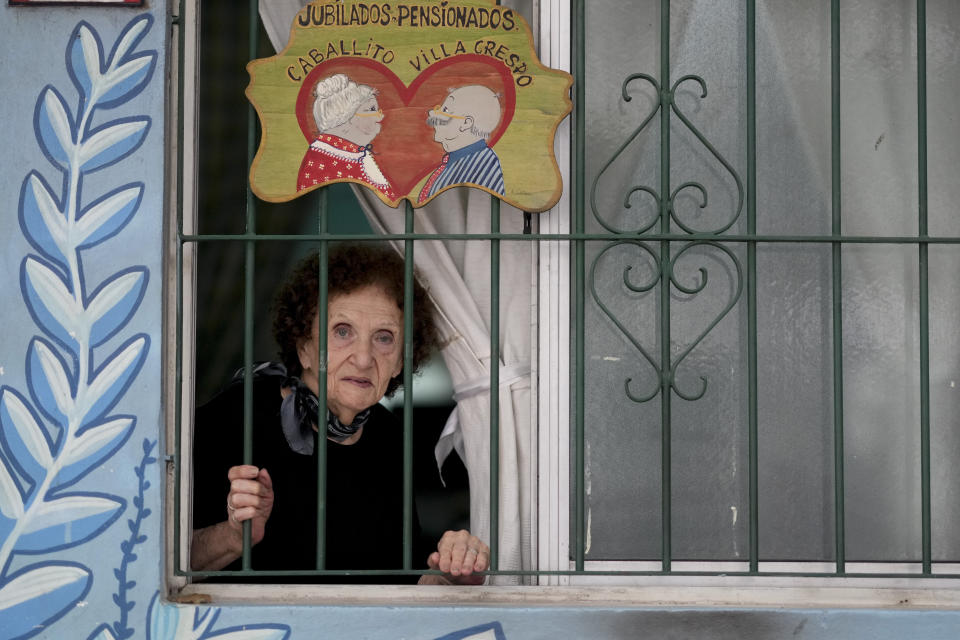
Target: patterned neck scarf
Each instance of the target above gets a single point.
(298, 414)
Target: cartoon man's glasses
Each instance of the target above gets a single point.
(443, 114)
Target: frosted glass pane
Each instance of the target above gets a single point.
(943, 87)
(795, 405)
(612, 121)
(624, 404)
(793, 117)
(945, 401)
(881, 402)
(622, 436)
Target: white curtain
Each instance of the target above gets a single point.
(457, 274)
(277, 17)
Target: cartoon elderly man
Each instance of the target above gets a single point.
(463, 124)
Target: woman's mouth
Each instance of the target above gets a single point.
(360, 382)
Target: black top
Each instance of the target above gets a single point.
(364, 521)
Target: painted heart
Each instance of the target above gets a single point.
(405, 148)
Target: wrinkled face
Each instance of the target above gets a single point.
(365, 343)
(366, 121)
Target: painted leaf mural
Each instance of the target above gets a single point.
(62, 427)
(59, 431)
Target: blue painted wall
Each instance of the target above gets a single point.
(81, 198)
(81, 245)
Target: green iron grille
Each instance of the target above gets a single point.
(660, 240)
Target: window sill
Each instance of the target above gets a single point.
(643, 591)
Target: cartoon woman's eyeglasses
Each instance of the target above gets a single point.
(378, 113)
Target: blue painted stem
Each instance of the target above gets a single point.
(120, 627)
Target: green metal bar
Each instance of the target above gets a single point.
(322, 257)
(752, 284)
(666, 379)
(836, 229)
(926, 512)
(248, 307)
(581, 237)
(578, 206)
(494, 385)
(178, 356)
(494, 382)
(408, 312)
(178, 402)
(922, 229)
(249, 291)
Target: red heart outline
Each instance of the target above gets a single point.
(405, 149)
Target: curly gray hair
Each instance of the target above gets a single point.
(337, 99)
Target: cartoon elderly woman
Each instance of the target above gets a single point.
(348, 118)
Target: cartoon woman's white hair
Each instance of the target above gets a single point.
(336, 100)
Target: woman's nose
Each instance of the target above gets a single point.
(363, 354)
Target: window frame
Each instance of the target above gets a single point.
(551, 389)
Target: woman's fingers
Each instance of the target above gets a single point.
(239, 500)
(250, 498)
(457, 553)
(476, 557)
(242, 514)
(460, 553)
(253, 487)
(447, 549)
(482, 560)
(242, 471)
(249, 493)
(264, 478)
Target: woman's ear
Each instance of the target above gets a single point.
(306, 354)
(307, 348)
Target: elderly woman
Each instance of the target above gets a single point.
(348, 118)
(364, 444)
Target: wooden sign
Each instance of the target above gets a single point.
(409, 99)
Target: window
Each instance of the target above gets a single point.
(235, 273)
(775, 408)
(737, 297)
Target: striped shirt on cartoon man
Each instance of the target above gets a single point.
(462, 124)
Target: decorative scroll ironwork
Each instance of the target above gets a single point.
(664, 273)
(713, 151)
(616, 154)
(666, 99)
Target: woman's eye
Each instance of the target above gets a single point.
(341, 331)
(384, 338)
